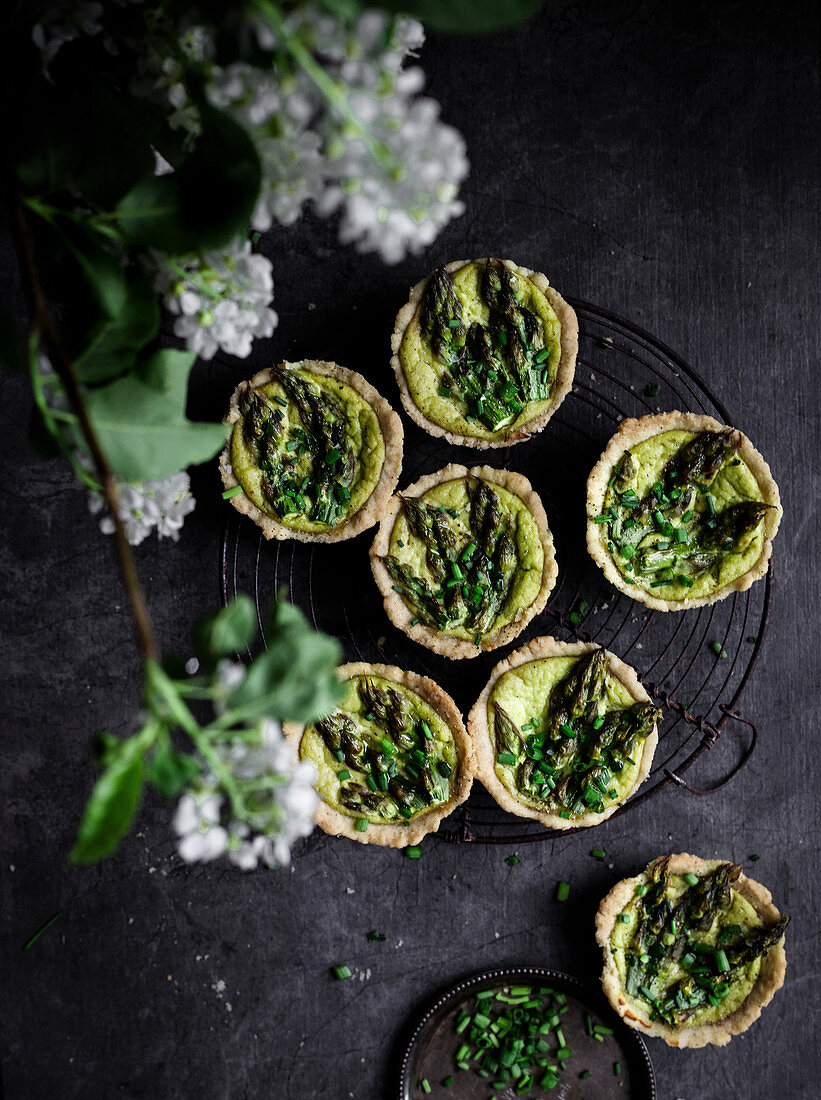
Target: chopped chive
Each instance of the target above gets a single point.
(413, 852)
(341, 972)
(234, 491)
(719, 650)
(598, 722)
(752, 639)
(641, 890)
(361, 824)
(563, 1053)
(425, 1083)
(511, 861)
(617, 1069)
(585, 1073)
(562, 891)
(711, 507)
(447, 1082)
(444, 768)
(377, 937)
(598, 853)
(343, 775)
(753, 859)
(691, 879)
(722, 961)
(623, 918)
(505, 758)
(601, 1029)
(651, 389)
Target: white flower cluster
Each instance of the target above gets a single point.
(60, 24)
(348, 134)
(279, 797)
(160, 505)
(221, 299)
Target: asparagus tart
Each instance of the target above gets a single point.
(693, 950)
(464, 559)
(315, 452)
(681, 511)
(393, 760)
(484, 352)
(563, 733)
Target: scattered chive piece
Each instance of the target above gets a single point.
(598, 853)
(598, 722)
(719, 650)
(361, 824)
(641, 890)
(624, 918)
(343, 775)
(505, 758)
(585, 1073)
(722, 962)
(651, 389)
(752, 639)
(752, 859)
(562, 891)
(42, 929)
(617, 1068)
(377, 937)
(232, 492)
(341, 972)
(425, 1083)
(447, 1082)
(601, 1029)
(563, 1053)
(413, 852)
(511, 861)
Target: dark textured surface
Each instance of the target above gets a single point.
(660, 164)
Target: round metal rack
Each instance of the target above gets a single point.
(696, 663)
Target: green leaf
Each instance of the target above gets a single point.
(116, 340)
(170, 772)
(227, 631)
(112, 804)
(141, 424)
(102, 272)
(465, 16)
(295, 679)
(207, 202)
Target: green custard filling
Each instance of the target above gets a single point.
(466, 557)
(683, 514)
(689, 947)
(481, 354)
(567, 734)
(385, 756)
(307, 449)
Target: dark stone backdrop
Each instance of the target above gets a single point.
(660, 160)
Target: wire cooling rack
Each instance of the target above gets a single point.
(696, 663)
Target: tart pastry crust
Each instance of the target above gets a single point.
(562, 383)
(398, 611)
(716, 1033)
(634, 431)
(388, 835)
(480, 732)
(392, 434)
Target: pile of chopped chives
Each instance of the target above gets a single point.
(514, 1037)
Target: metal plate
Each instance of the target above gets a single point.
(618, 367)
(430, 1050)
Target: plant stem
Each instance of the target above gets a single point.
(158, 683)
(68, 376)
(329, 88)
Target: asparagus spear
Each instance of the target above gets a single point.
(700, 460)
(571, 697)
(756, 943)
(508, 736)
(388, 709)
(338, 731)
(417, 594)
(709, 896)
(441, 316)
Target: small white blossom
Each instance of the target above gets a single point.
(197, 824)
(251, 95)
(160, 505)
(278, 793)
(221, 299)
(61, 24)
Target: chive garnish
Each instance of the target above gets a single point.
(343, 775)
(623, 918)
(752, 859)
(511, 861)
(617, 1069)
(562, 891)
(447, 1082)
(598, 853)
(377, 937)
(425, 1084)
(413, 852)
(651, 389)
(232, 492)
(361, 824)
(719, 650)
(691, 879)
(585, 1073)
(341, 972)
(722, 961)
(507, 758)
